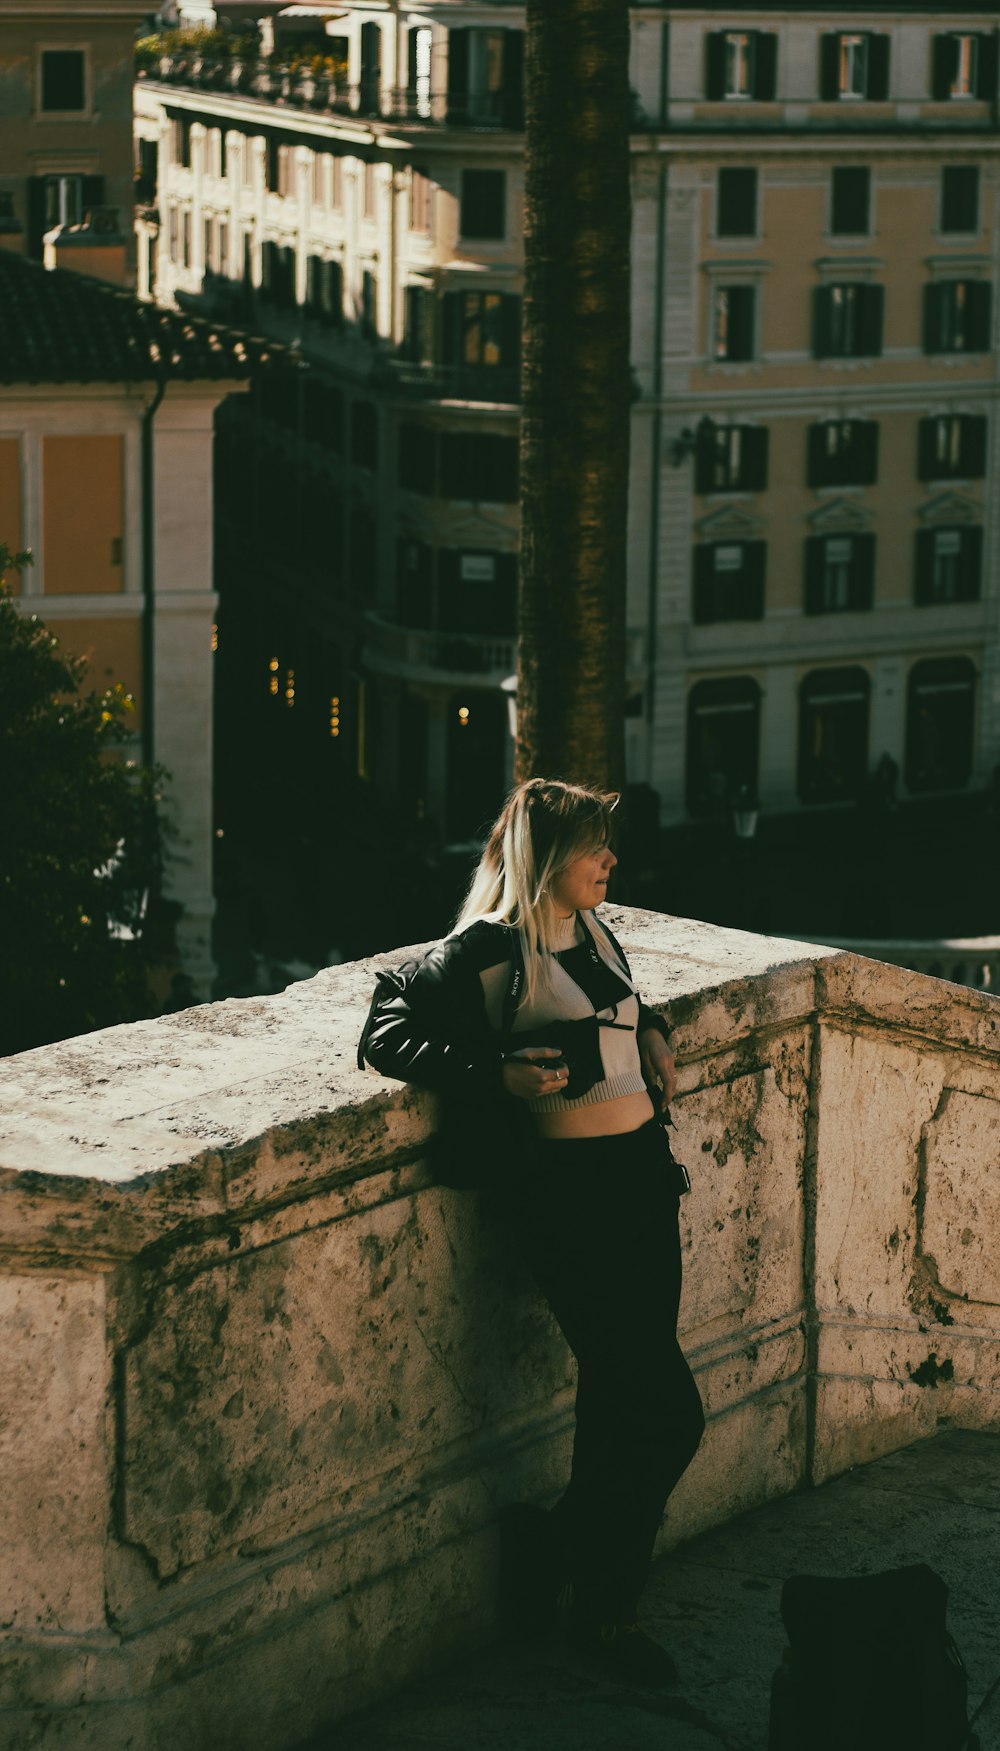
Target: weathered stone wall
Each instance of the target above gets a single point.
(265, 1386)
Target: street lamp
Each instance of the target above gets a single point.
(688, 441)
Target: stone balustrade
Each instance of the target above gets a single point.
(264, 1386)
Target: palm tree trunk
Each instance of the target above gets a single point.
(576, 393)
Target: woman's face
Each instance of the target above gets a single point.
(583, 884)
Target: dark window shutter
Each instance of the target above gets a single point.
(870, 316)
(924, 566)
(502, 465)
(753, 472)
(458, 74)
(704, 584)
(944, 66)
(754, 563)
(715, 65)
(972, 559)
(960, 197)
(704, 460)
(36, 216)
(451, 328)
(829, 67)
(412, 40)
(741, 322)
(878, 67)
(866, 453)
(510, 331)
(513, 79)
(92, 191)
(986, 75)
(862, 571)
(851, 200)
(974, 446)
(927, 463)
(814, 574)
(822, 334)
(979, 307)
(817, 466)
(736, 202)
(933, 312)
(765, 72)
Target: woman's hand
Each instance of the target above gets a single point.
(658, 1062)
(527, 1075)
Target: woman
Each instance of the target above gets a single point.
(527, 1020)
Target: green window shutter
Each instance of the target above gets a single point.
(753, 472)
(870, 320)
(944, 66)
(862, 571)
(867, 470)
(814, 574)
(822, 328)
(704, 460)
(512, 100)
(715, 65)
(923, 573)
(927, 462)
(829, 67)
(851, 201)
(974, 445)
(933, 312)
(458, 74)
(972, 559)
(817, 467)
(878, 67)
(741, 322)
(736, 202)
(765, 78)
(986, 75)
(979, 308)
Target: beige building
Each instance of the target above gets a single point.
(813, 567)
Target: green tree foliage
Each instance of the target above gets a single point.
(80, 842)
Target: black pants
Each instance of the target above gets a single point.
(596, 1219)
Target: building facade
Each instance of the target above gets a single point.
(813, 573)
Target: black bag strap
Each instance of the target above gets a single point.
(615, 944)
(512, 995)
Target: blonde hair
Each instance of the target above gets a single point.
(544, 825)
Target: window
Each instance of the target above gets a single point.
(939, 724)
(833, 735)
(421, 200)
(207, 257)
(186, 238)
(840, 573)
(416, 458)
(368, 309)
(479, 466)
(486, 77)
(729, 581)
(854, 65)
(364, 434)
(224, 246)
(173, 232)
(952, 446)
(418, 71)
(736, 203)
(741, 64)
(482, 328)
(277, 275)
(957, 316)
(147, 171)
(964, 66)
(418, 325)
(477, 591)
(723, 738)
(484, 201)
(731, 458)
(850, 201)
(63, 201)
(325, 290)
(180, 141)
(960, 198)
(371, 69)
(842, 453)
(848, 321)
(63, 80)
(734, 323)
(948, 563)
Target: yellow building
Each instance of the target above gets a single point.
(106, 419)
(813, 563)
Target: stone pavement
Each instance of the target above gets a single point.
(715, 1602)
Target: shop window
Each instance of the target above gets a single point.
(833, 735)
(483, 205)
(729, 581)
(940, 717)
(734, 324)
(736, 202)
(850, 201)
(731, 458)
(840, 573)
(854, 65)
(957, 316)
(842, 453)
(741, 64)
(948, 565)
(723, 739)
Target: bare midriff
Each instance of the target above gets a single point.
(608, 1118)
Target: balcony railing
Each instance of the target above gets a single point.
(321, 92)
(402, 649)
(432, 382)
